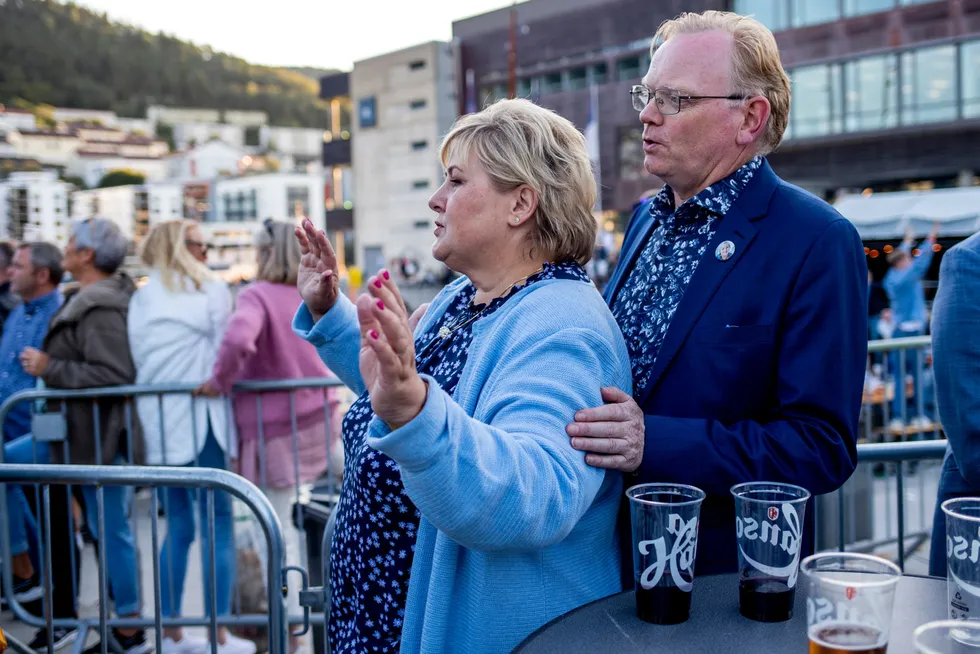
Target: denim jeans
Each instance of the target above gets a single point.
(120, 546)
(22, 522)
(900, 400)
(179, 507)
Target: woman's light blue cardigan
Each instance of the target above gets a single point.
(516, 529)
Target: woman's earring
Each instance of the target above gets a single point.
(516, 219)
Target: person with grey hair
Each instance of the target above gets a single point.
(87, 346)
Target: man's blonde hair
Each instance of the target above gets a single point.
(756, 67)
(165, 250)
(518, 142)
(278, 253)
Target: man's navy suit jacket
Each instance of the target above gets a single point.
(761, 372)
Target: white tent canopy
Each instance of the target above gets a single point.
(884, 216)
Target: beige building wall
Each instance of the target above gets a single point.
(395, 159)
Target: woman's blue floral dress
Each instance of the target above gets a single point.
(374, 536)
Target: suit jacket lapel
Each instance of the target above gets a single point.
(736, 226)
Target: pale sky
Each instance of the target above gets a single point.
(319, 33)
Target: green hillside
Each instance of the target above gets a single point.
(64, 55)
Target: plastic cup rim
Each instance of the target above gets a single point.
(693, 500)
(940, 626)
(734, 490)
(885, 580)
(957, 514)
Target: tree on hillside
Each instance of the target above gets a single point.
(121, 177)
(100, 64)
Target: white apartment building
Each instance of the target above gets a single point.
(239, 207)
(15, 119)
(34, 206)
(170, 115)
(299, 142)
(403, 104)
(49, 147)
(188, 135)
(206, 161)
(134, 208)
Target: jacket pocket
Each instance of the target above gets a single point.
(736, 334)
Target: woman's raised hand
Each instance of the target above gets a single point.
(387, 358)
(317, 281)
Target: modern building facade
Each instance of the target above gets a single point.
(34, 206)
(404, 103)
(339, 190)
(886, 93)
(562, 48)
(135, 208)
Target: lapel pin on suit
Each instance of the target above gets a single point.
(724, 251)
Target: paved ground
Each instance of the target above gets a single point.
(920, 495)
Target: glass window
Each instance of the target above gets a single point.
(859, 7)
(628, 69)
(600, 73)
(871, 99)
(970, 80)
(524, 87)
(417, 104)
(929, 85)
(771, 13)
(811, 109)
(552, 83)
(811, 12)
(420, 184)
(577, 78)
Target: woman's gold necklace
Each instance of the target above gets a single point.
(445, 331)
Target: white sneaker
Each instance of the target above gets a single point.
(896, 425)
(185, 645)
(236, 645)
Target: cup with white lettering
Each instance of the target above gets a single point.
(769, 532)
(849, 601)
(665, 539)
(963, 560)
(947, 637)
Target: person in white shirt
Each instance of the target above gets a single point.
(176, 323)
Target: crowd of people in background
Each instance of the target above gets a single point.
(178, 326)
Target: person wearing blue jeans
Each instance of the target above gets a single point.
(906, 295)
(23, 528)
(179, 505)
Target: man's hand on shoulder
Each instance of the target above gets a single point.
(611, 435)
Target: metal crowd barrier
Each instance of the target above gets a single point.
(100, 397)
(888, 473)
(209, 481)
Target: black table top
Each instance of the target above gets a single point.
(715, 625)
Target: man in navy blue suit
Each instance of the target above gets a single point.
(743, 299)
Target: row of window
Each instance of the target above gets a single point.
(927, 85)
(785, 14)
(628, 69)
(240, 207)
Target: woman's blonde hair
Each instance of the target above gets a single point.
(278, 253)
(756, 67)
(165, 249)
(518, 142)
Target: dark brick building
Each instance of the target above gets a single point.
(886, 93)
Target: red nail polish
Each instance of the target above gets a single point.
(373, 334)
(377, 283)
(381, 305)
(387, 276)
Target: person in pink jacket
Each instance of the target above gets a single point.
(259, 344)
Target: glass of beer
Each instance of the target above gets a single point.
(849, 602)
(665, 539)
(947, 637)
(769, 532)
(963, 561)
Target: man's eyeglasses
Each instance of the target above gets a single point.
(668, 101)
